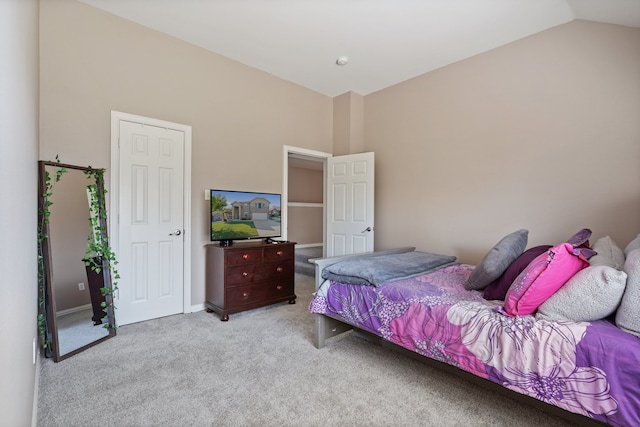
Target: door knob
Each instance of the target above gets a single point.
(366, 229)
(176, 233)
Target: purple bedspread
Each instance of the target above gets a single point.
(591, 369)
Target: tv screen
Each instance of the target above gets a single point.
(239, 215)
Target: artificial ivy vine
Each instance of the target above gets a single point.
(45, 213)
(98, 248)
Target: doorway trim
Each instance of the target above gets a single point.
(318, 156)
(114, 189)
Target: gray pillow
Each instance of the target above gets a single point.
(496, 261)
(628, 315)
(591, 294)
(633, 245)
(608, 253)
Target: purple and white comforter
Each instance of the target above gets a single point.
(591, 369)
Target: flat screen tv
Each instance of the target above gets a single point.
(241, 215)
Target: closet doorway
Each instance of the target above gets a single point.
(315, 183)
(303, 204)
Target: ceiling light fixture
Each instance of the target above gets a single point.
(342, 60)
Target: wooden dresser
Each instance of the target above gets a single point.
(248, 275)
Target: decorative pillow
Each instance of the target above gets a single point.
(542, 278)
(628, 315)
(608, 253)
(499, 287)
(580, 239)
(633, 245)
(591, 294)
(496, 261)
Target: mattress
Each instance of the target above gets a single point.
(589, 368)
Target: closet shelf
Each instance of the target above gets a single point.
(305, 205)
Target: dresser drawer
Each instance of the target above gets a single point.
(252, 273)
(241, 274)
(243, 295)
(276, 252)
(244, 256)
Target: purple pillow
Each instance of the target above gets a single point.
(499, 287)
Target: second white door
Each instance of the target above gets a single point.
(350, 204)
(151, 234)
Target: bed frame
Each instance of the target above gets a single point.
(327, 327)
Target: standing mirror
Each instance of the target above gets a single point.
(76, 310)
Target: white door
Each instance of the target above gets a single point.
(349, 208)
(151, 222)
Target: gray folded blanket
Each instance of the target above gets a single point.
(382, 269)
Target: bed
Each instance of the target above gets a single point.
(589, 370)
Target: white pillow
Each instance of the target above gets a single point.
(628, 315)
(633, 245)
(591, 294)
(608, 253)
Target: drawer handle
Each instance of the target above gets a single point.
(279, 253)
(245, 274)
(245, 256)
(279, 269)
(245, 294)
(279, 287)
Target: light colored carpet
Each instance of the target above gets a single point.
(260, 369)
(77, 329)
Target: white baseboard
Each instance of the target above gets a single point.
(308, 245)
(73, 310)
(197, 307)
(36, 391)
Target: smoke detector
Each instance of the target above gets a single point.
(342, 60)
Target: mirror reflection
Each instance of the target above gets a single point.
(76, 318)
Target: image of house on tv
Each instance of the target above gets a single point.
(258, 208)
(244, 206)
(249, 215)
(255, 209)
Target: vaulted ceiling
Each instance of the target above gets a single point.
(385, 41)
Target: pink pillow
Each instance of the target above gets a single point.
(499, 287)
(542, 278)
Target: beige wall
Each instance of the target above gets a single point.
(305, 185)
(543, 134)
(69, 230)
(305, 222)
(18, 215)
(305, 225)
(93, 62)
(348, 124)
